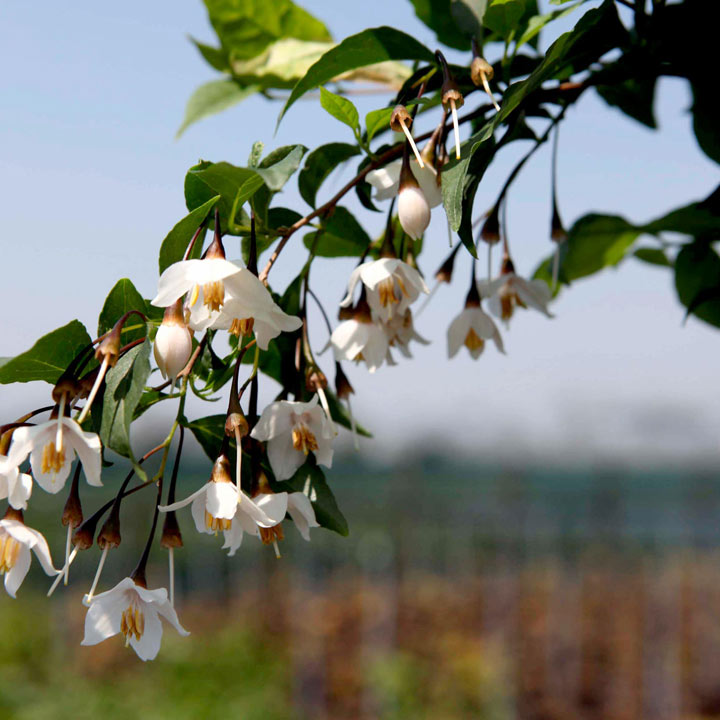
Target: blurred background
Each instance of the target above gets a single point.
(531, 535)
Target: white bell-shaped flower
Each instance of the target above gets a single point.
(134, 611)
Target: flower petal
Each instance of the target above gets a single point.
(284, 458)
(457, 332)
(221, 500)
(148, 646)
(182, 503)
(89, 449)
(105, 613)
(302, 513)
(273, 506)
(15, 576)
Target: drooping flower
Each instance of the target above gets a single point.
(133, 610)
(217, 506)
(255, 515)
(173, 344)
(292, 430)
(391, 286)
(249, 307)
(205, 280)
(16, 542)
(14, 485)
(52, 447)
(360, 338)
(472, 327)
(400, 332)
(509, 291)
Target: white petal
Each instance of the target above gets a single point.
(302, 513)
(166, 610)
(413, 211)
(88, 447)
(385, 180)
(172, 349)
(148, 646)
(197, 511)
(324, 453)
(457, 332)
(104, 615)
(221, 500)
(352, 282)
(182, 503)
(535, 293)
(427, 179)
(274, 506)
(17, 573)
(233, 536)
(274, 421)
(284, 458)
(184, 275)
(376, 271)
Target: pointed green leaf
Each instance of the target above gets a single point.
(697, 281)
(211, 98)
(341, 236)
(175, 243)
(277, 168)
(319, 164)
(366, 48)
(653, 256)
(210, 433)
(121, 299)
(341, 109)
(48, 357)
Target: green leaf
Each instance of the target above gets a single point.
(211, 98)
(437, 15)
(176, 241)
(341, 109)
(150, 398)
(697, 281)
(366, 48)
(310, 479)
(653, 256)
(247, 27)
(468, 16)
(215, 57)
(699, 219)
(537, 22)
(210, 433)
(277, 168)
(340, 236)
(48, 357)
(206, 180)
(319, 164)
(121, 299)
(503, 16)
(635, 96)
(124, 385)
(706, 118)
(594, 242)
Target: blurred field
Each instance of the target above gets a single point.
(462, 592)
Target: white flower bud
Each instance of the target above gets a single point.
(173, 344)
(413, 211)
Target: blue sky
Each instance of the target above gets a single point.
(91, 180)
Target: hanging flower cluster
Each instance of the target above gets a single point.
(267, 463)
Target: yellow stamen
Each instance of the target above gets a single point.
(9, 551)
(303, 439)
(217, 524)
(386, 291)
(194, 296)
(132, 623)
(473, 341)
(214, 295)
(242, 327)
(52, 460)
(270, 536)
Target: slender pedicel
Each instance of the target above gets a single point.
(401, 120)
(451, 98)
(89, 597)
(481, 72)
